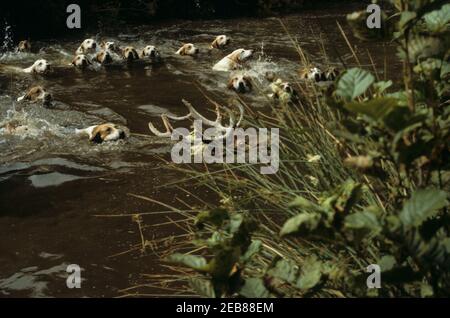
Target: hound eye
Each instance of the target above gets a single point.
(40, 64)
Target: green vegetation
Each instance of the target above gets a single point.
(363, 179)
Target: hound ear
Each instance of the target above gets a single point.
(230, 84)
(235, 57)
(73, 61)
(249, 81)
(96, 138)
(182, 50)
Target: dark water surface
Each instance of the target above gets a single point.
(53, 184)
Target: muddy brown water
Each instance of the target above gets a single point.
(52, 183)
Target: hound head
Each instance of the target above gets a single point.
(220, 42)
(188, 49)
(103, 57)
(312, 73)
(108, 46)
(241, 55)
(150, 51)
(107, 132)
(40, 66)
(129, 53)
(240, 83)
(38, 93)
(283, 91)
(24, 46)
(88, 45)
(81, 61)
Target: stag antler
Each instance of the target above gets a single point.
(194, 114)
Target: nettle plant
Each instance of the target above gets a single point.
(229, 245)
(402, 146)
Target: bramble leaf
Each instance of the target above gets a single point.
(353, 83)
(422, 205)
(304, 222)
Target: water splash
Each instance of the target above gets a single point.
(8, 42)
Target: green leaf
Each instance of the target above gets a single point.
(376, 108)
(364, 220)
(426, 290)
(429, 66)
(445, 69)
(254, 288)
(202, 287)
(195, 262)
(421, 47)
(306, 222)
(422, 205)
(405, 18)
(236, 220)
(387, 263)
(437, 21)
(311, 273)
(305, 204)
(381, 86)
(285, 270)
(253, 249)
(341, 199)
(353, 83)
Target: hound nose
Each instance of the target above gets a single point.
(241, 86)
(197, 51)
(122, 135)
(94, 45)
(152, 54)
